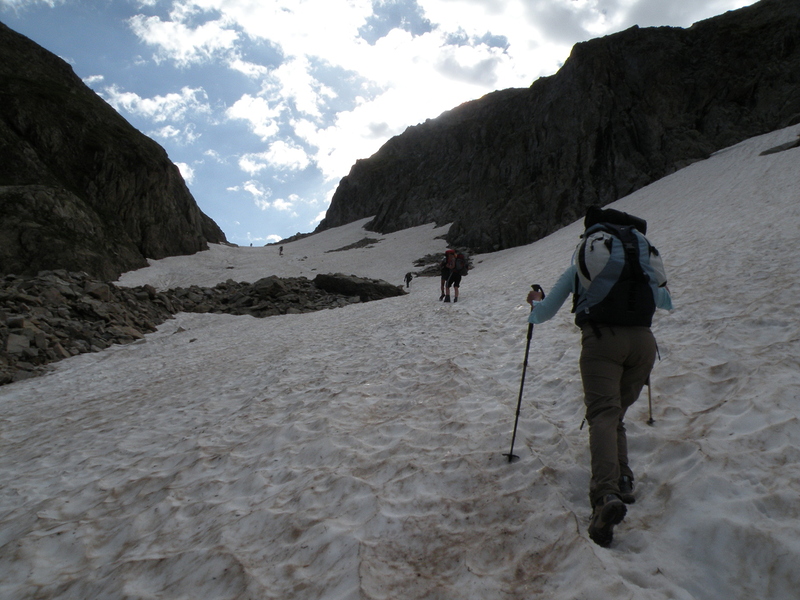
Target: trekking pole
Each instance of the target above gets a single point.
(651, 420)
(511, 456)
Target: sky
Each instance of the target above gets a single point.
(358, 453)
(265, 105)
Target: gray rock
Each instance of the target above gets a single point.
(269, 287)
(351, 285)
(17, 344)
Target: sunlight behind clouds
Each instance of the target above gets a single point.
(294, 81)
(409, 69)
(413, 77)
(299, 27)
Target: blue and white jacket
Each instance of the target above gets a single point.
(544, 310)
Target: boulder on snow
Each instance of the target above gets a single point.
(350, 285)
(270, 287)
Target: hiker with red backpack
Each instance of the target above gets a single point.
(617, 281)
(454, 266)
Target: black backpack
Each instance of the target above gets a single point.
(462, 264)
(618, 273)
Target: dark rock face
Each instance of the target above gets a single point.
(57, 314)
(623, 111)
(80, 188)
(351, 285)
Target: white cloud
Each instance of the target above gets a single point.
(93, 80)
(262, 118)
(417, 77)
(287, 155)
(184, 136)
(260, 194)
(168, 131)
(413, 77)
(294, 81)
(213, 154)
(20, 4)
(174, 107)
(261, 197)
(250, 164)
(181, 43)
(285, 205)
(360, 132)
(249, 69)
(256, 189)
(187, 172)
(316, 220)
(298, 27)
(280, 155)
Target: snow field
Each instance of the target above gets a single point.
(357, 453)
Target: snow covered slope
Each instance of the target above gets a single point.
(358, 453)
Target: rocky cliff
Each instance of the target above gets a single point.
(623, 111)
(80, 188)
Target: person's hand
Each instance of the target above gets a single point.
(535, 296)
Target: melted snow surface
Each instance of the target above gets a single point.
(357, 453)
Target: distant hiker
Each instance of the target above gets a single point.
(617, 281)
(408, 278)
(280, 250)
(447, 265)
(460, 268)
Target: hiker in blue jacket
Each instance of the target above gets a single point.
(615, 363)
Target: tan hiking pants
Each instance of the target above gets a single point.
(614, 368)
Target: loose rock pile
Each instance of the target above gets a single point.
(58, 314)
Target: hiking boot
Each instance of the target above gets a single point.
(606, 514)
(441, 297)
(447, 298)
(455, 299)
(626, 490)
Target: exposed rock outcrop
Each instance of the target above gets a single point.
(351, 285)
(80, 188)
(624, 110)
(58, 314)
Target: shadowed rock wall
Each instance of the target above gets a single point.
(80, 188)
(623, 111)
